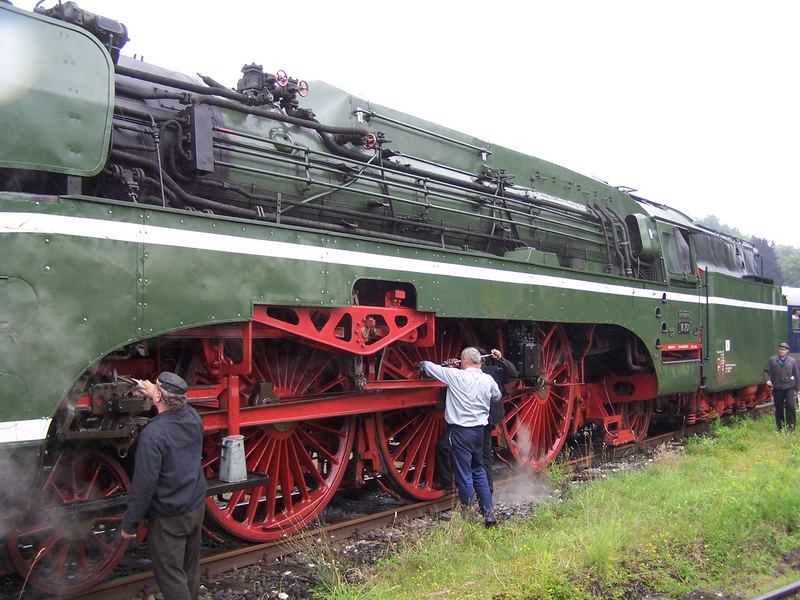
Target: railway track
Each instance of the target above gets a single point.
(217, 564)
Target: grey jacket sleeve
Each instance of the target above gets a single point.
(509, 370)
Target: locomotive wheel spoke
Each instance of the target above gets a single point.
(304, 460)
(294, 463)
(537, 420)
(407, 438)
(410, 455)
(83, 561)
(637, 416)
(78, 552)
(252, 507)
(60, 559)
(314, 444)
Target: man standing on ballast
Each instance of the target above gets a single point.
(782, 376)
(502, 372)
(169, 488)
(470, 393)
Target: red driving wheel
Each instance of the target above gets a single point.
(66, 552)
(636, 416)
(408, 438)
(304, 460)
(537, 420)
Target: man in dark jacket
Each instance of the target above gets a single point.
(169, 488)
(503, 372)
(782, 375)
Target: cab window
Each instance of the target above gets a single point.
(677, 252)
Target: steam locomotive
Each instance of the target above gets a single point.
(293, 251)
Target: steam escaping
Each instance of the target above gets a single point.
(18, 475)
(528, 486)
(524, 442)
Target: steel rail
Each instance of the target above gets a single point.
(127, 587)
(787, 591)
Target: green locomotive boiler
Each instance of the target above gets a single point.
(293, 251)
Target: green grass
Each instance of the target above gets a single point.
(721, 514)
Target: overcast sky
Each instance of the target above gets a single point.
(694, 103)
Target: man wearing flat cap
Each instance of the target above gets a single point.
(169, 488)
(782, 376)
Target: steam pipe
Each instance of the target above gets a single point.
(330, 143)
(177, 83)
(601, 218)
(193, 200)
(180, 192)
(382, 181)
(281, 116)
(626, 245)
(612, 223)
(238, 102)
(433, 227)
(613, 235)
(234, 101)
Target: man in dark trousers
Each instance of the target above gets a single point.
(470, 393)
(782, 375)
(169, 488)
(502, 373)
